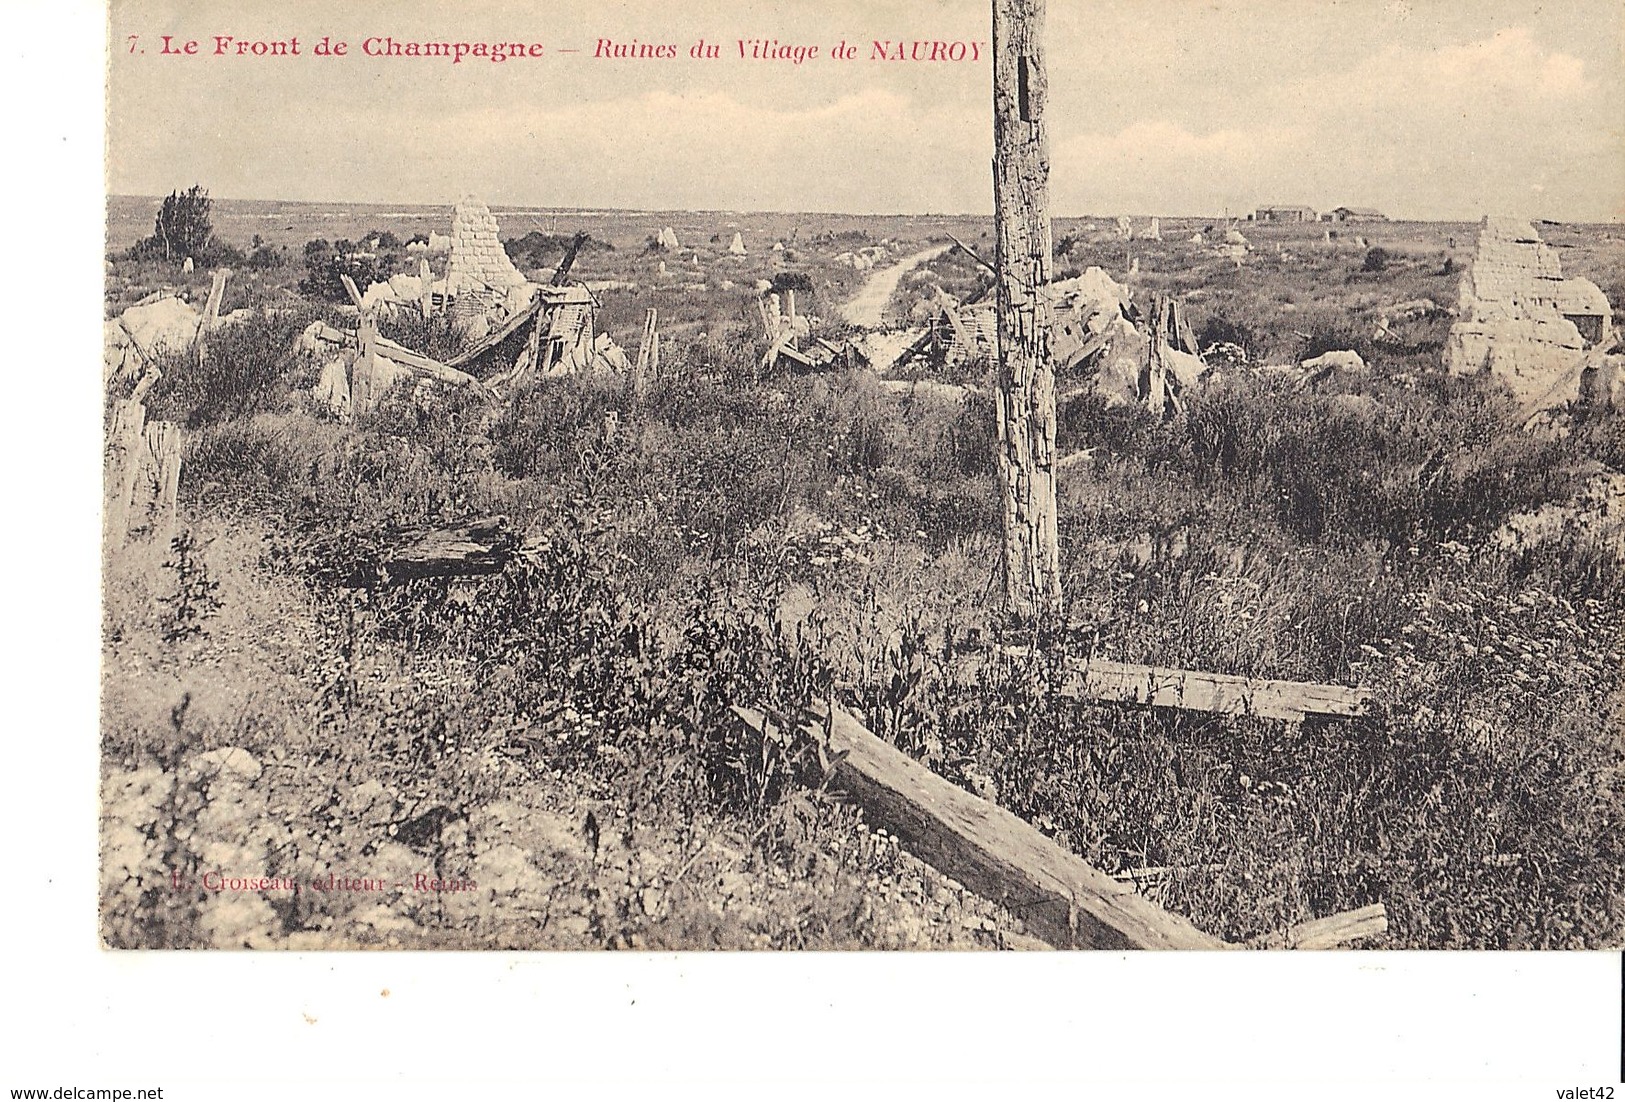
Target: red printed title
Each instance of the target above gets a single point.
(387, 46)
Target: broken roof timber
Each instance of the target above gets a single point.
(496, 337)
(546, 296)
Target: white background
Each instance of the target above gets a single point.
(222, 1025)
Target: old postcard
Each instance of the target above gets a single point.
(850, 476)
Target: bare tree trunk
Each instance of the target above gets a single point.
(1026, 393)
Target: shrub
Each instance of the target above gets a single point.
(799, 282)
(1376, 259)
(326, 265)
(265, 257)
(1223, 330)
(183, 227)
(244, 369)
(540, 250)
(195, 598)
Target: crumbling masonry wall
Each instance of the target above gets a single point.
(478, 262)
(1511, 325)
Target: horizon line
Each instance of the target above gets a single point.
(561, 209)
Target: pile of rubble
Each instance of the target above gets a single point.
(792, 340)
(161, 324)
(1546, 337)
(1101, 341)
(861, 260)
(553, 324)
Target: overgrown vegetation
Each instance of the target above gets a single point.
(560, 733)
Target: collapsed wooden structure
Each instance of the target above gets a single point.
(791, 343)
(521, 330)
(559, 338)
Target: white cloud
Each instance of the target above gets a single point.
(1510, 67)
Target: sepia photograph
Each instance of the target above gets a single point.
(907, 476)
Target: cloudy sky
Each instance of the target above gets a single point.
(1423, 108)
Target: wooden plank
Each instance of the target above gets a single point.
(1185, 338)
(532, 354)
(217, 291)
(149, 377)
(399, 353)
(966, 342)
(1225, 694)
(563, 270)
(644, 366)
(1061, 898)
(363, 381)
(125, 438)
(1154, 381)
(425, 288)
(780, 344)
(1332, 932)
(970, 252)
(418, 361)
(331, 335)
(350, 289)
(787, 351)
(163, 464)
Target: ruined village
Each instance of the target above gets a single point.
(512, 577)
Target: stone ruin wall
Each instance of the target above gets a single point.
(478, 266)
(1510, 325)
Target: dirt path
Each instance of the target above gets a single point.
(867, 307)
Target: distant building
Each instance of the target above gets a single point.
(1355, 214)
(1284, 214)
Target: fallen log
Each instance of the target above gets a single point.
(482, 546)
(1062, 899)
